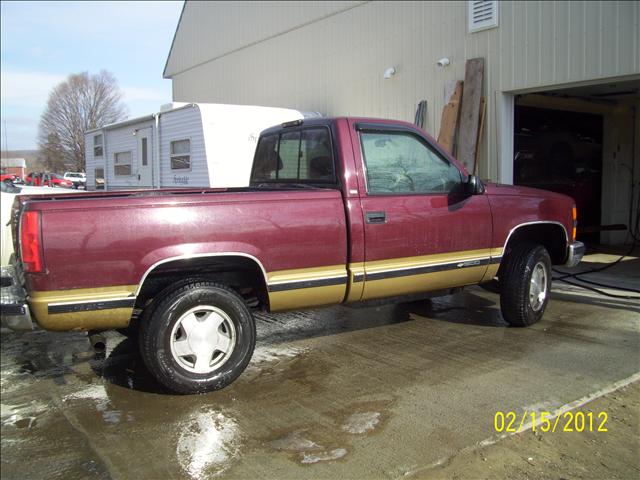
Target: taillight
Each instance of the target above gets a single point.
(574, 214)
(31, 242)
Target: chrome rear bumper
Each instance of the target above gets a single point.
(14, 311)
(576, 252)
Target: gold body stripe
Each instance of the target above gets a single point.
(404, 283)
(305, 274)
(425, 260)
(39, 303)
(288, 289)
(307, 297)
(423, 282)
(356, 282)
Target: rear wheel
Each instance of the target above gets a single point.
(525, 281)
(199, 338)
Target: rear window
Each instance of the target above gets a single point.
(299, 156)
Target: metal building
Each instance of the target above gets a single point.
(551, 68)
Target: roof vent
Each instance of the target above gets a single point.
(483, 15)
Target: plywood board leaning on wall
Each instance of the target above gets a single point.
(449, 122)
(470, 113)
(483, 113)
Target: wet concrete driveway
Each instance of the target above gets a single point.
(376, 392)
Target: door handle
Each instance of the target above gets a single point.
(375, 217)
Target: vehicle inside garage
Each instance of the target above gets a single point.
(582, 142)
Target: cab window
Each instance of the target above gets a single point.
(402, 163)
(300, 156)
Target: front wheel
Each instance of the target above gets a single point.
(199, 338)
(525, 284)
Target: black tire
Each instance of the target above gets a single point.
(156, 337)
(515, 281)
(150, 307)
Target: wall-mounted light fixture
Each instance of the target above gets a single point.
(444, 62)
(389, 72)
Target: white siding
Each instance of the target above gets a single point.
(213, 29)
(122, 140)
(89, 160)
(178, 125)
(335, 64)
(92, 162)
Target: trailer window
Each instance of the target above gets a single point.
(301, 156)
(97, 145)
(122, 164)
(181, 154)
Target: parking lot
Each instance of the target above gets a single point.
(394, 391)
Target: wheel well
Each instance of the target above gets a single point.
(551, 235)
(242, 274)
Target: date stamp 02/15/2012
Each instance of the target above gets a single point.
(512, 422)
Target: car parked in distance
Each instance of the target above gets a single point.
(47, 179)
(9, 178)
(79, 179)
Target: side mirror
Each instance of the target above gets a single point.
(474, 185)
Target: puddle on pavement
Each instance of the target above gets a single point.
(310, 458)
(361, 422)
(22, 415)
(97, 394)
(208, 444)
(331, 439)
(294, 442)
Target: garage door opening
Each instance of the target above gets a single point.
(561, 151)
(583, 142)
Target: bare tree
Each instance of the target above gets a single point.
(80, 103)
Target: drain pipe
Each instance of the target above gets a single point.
(156, 158)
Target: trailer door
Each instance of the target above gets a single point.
(145, 159)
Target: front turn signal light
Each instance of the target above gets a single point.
(574, 214)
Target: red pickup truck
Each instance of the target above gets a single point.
(338, 210)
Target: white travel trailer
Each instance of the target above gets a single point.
(183, 145)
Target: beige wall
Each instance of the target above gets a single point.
(209, 30)
(334, 64)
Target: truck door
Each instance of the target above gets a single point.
(422, 232)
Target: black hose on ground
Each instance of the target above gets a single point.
(600, 292)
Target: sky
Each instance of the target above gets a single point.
(44, 42)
